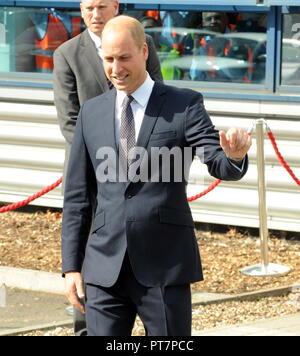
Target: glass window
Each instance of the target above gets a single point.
(290, 71)
(28, 37)
(192, 46)
(209, 46)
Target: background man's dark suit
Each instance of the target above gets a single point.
(151, 221)
(79, 75)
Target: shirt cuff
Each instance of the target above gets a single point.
(237, 163)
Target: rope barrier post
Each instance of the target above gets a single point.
(2, 296)
(265, 268)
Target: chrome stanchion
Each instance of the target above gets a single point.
(2, 295)
(265, 268)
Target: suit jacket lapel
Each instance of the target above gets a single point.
(153, 110)
(93, 60)
(107, 119)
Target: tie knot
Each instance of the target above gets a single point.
(127, 100)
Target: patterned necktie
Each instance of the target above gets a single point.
(110, 84)
(127, 132)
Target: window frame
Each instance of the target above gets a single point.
(7, 3)
(281, 11)
(63, 4)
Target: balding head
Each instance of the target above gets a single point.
(125, 53)
(120, 23)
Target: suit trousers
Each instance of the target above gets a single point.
(164, 311)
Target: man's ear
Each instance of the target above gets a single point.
(145, 50)
(117, 7)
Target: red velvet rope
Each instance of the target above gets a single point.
(206, 191)
(22, 203)
(281, 159)
(190, 199)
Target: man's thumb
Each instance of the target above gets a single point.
(80, 289)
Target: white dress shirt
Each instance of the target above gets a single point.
(98, 44)
(141, 98)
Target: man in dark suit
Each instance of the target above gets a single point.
(142, 254)
(79, 75)
(78, 69)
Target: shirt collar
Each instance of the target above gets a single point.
(141, 95)
(96, 39)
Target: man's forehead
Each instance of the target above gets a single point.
(116, 34)
(210, 14)
(116, 45)
(96, 2)
(116, 52)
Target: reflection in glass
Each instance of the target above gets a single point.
(209, 46)
(28, 37)
(290, 72)
(192, 46)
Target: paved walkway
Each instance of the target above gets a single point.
(34, 301)
(288, 325)
(28, 310)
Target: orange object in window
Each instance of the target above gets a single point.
(153, 13)
(55, 35)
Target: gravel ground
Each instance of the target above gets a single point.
(32, 241)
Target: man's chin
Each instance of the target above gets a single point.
(97, 29)
(120, 85)
(121, 88)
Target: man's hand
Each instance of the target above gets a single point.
(235, 143)
(74, 290)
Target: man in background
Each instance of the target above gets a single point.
(210, 45)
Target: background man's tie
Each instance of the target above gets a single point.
(127, 132)
(110, 84)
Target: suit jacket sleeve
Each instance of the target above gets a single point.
(79, 202)
(153, 63)
(65, 95)
(201, 134)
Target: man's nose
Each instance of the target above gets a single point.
(116, 67)
(97, 13)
